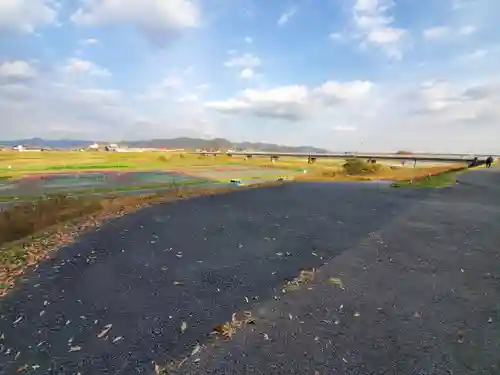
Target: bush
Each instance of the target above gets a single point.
(162, 158)
(360, 167)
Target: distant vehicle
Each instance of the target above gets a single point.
(283, 178)
(236, 182)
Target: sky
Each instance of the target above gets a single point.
(346, 75)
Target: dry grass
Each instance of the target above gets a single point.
(238, 320)
(17, 164)
(383, 173)
(304, 277)
(31, 232)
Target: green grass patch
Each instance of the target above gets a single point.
(433, 181)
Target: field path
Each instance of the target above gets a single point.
(419, 270)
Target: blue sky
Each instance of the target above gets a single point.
(377, 75)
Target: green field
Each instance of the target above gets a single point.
(185, 169)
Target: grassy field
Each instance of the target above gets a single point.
(18, 164)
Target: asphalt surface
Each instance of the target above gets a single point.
(420, 271)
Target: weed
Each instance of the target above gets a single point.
(360, 167)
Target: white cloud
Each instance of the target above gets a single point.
(17, 69)
(204, 86)
(172, 82)
(435, 33)
(247, 73)
(244, 61)
(337, 36)
(373, 25)
(48, 107)
(291, 102)
(448, 105)
(344, 128)
(248, 40)
(386, 35)
(169, 84)
(157, 18)
(344, 91)
(188, 98)
(77, 67)
(24, 16)
(286, 16)
(286, 102)
(90, 41)
(474, 56)
(467, 30)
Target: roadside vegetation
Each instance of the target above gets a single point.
(361, 170)
(444, 179)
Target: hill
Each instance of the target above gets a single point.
(183, 142)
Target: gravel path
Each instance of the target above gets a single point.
(419, 271)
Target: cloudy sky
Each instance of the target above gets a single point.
(375, 75)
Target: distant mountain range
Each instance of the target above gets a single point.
(183, 142)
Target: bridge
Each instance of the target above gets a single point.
(312, 157)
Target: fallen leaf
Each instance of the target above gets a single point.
(196, 349)
(356, 314)
(178, 283)
(266, 336)
(183, 327)
(116, 339)
(225, 330)
(22, 368)
(18, 320)
(105, 331)
(75, 349)
(336, 281)
(157, 369)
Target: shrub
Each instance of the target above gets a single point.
(360, 167)
(162, 158)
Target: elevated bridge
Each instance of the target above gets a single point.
(444, 158)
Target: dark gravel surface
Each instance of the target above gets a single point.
(420, 272)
